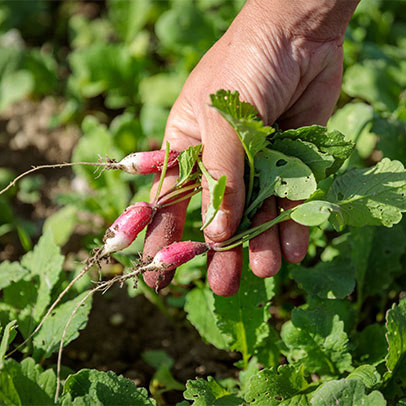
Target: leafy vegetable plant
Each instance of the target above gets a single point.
(329, 330)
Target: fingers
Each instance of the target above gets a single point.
(223, 155)
(264, 250)
(167, 225)
(224, 271)
(165, 228)
(294, 238)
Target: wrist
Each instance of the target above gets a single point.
(317, 20)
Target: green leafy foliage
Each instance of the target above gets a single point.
(278, 386)
(114, 69)
(371, 196)
(244, 119)
(314, 213)
(355, 120)
(371, 351)
(95, 387)
(395, 359)
(48, 338)
(334, 279)
(187, 161)
(283, 176)
(210, 392)
(242, 318)
(332, 143)
(199, 307)
(316, 339)
(27, 383)
(347, 392)
(11, 272)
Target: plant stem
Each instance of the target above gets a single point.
(188, 196)
(247, 235)
(170, 194)
(251, 175)
(163, 172)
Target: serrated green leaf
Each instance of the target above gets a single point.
(283, 176)
(186, 161)
(46, 261)
(200, 312)
(367, 374)
(11, 272)
(105, 388)
(308, 153)
(243, 117)
(33, 385)
(278, 387)
(334, 279)
(209, 393)
(371, 196)
(346, 392)
(48, 338)
(316, 339)
(242, 318)
(314, 213)
(329, 142)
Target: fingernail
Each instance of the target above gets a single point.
(217, 228)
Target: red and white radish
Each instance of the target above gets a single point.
(144, 163)
(127, 226)
(176, 254)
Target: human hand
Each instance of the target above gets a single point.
(288, 64)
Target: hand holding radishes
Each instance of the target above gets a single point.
(291, 72)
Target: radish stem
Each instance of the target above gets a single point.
(163, 172)
(247, 235)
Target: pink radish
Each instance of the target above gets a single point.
(127, 226)
(146, 162)
(176, 254)
(117, 237)
(141, 163)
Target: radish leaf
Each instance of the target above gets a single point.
(371, 196)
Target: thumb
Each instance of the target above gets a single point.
(223, 154)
